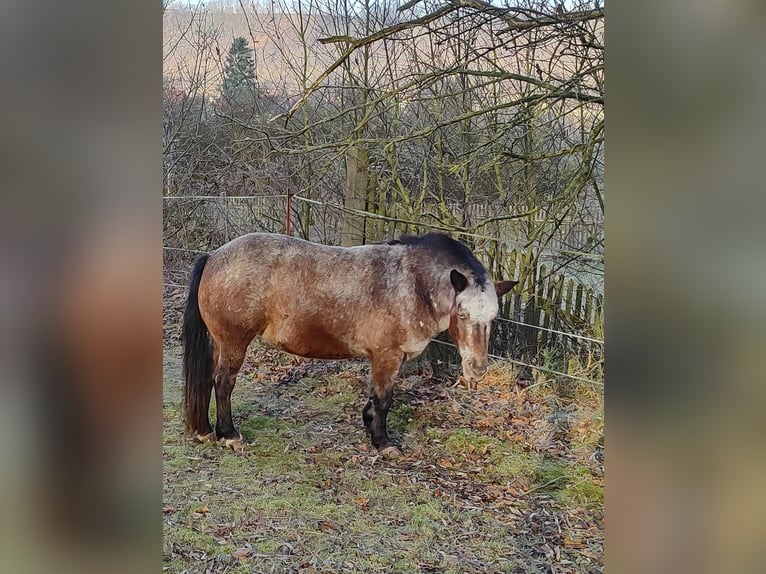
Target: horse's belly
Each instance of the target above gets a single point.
(311, 341)
(316, 349)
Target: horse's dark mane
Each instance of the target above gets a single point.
(455, 252)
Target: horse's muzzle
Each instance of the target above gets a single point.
(473, 371)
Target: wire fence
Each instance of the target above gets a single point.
(457, 230)
(540, 368)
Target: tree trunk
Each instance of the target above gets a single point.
(355, 196)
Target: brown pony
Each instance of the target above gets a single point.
(383, 301)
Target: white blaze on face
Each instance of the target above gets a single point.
(476, 309)
(479, 306)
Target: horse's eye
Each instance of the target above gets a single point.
(462, 316)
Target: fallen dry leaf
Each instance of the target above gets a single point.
(243, 554)
(327, 526)
(569, 543)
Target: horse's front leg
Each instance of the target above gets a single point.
(384, 370)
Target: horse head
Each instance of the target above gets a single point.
(471, 320)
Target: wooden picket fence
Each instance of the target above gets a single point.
(547, 310)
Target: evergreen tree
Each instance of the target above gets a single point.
(239, 72)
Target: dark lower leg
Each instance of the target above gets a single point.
(384, 370)
(367, 414)
(374, 415)
(224, 427)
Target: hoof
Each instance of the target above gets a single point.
(391, 451)
(235, 444)
(209, 437)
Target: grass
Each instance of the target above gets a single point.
(489, 482)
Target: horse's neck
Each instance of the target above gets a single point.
(441, 297)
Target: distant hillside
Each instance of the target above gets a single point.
(195, 46)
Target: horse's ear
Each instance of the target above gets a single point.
(502, 287)
(458, 280)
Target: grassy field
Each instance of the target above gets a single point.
(499, 479)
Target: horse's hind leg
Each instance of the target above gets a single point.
(205, 432)
(384, 370)
(230, 359)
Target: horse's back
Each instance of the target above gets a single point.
(308, 299)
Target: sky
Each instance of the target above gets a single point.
(247, 2)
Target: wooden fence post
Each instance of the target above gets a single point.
(352, 230)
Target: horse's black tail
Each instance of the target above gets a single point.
(198, 358)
